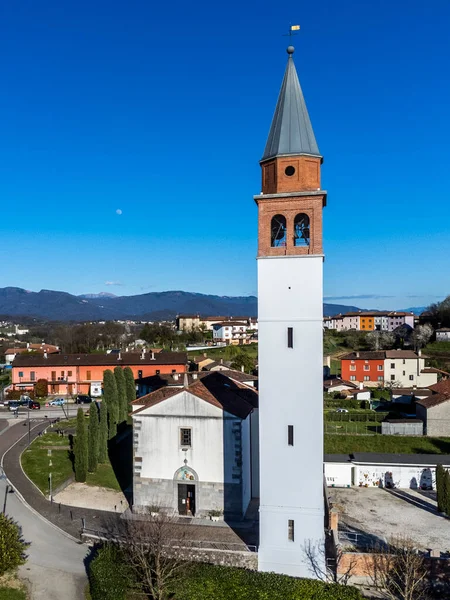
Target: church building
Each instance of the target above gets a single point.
(290, 294)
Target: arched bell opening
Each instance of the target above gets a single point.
(301, 230)
(278, 231)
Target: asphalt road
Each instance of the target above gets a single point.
(55, 567)
(49, 412)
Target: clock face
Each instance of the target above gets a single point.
(289, 171)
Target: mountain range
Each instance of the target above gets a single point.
(154, 306)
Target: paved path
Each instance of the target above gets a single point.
(55, 567)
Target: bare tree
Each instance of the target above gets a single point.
(328, 569)
(380, 340)
(155, 549)
(398, 570)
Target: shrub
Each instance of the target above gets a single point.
(111, 398)
(210, 582)
(121, 394)
(16, 394)
(103, 434)
(110, 577)
(130, 387)
(41, 388)
(12, 545)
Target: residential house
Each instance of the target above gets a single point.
(83, 373)
(399, 318)
(196, 448)
(193, 322)
(443, 334)
(11, 353)
(230, 332)
(338, 385)
(386, 367)
(369, 321)
(434, 410)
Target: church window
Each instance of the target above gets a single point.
(278, 231)
(185, 437)
(290, 336)
(301, 230)
(290, 435)
(291, 530)
(290, 170)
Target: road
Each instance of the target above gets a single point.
(55, 566)
(50, 412)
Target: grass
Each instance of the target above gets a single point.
(35, 463)
(352, 427)
(7, 593)
(394, 444)
(104, 477)
(224, 352)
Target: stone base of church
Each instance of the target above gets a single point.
(209, 496)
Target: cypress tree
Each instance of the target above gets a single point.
(130, 389)
(103, 434)
(81, 449)
(446, 493)
(121, 393)
(112, 401)
(93, 438)
(439, 483)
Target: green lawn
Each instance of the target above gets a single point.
(350, 427)
(35, 463)
(224, 352)
(7, 593)
(347, 444)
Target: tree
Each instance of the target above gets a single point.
(81, 448)
(446, 492)
(41, 388)
(243, 360)
(155, 553)
(112, 401)
(130, 387)
(380, 340)
(12, 545)
(439, 481)
(121, 393)
(398, 570)
(93, 438)
(103, 434)
(422, 335)
(440, 313)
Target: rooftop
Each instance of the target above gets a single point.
(125, 358)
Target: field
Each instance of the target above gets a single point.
(225, 352)
(392, 444)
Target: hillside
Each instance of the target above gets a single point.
(61, 306)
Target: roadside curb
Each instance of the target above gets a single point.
(22, 499)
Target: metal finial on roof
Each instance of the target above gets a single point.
(291, 131)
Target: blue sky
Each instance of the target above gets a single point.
(161, 111)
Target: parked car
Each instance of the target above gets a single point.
(83, 399)
(57, 402)
(14, 405)
(342, 410)
(33, 405)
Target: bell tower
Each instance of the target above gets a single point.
(290, 296)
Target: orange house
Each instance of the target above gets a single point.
(366, 322)
(83, 373)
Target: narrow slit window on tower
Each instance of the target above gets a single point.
(290, 337)
(291, 530)
(290, 435)
(301, 230)
(278, 231)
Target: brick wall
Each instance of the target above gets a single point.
(306, 174)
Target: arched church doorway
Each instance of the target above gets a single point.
(185, 489)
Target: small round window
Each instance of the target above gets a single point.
(289, 170)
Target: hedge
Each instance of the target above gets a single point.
(371, 417)
(344, 403)
(210, 582)
(110, 578)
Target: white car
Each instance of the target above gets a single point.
(57, 402)
(342, 410)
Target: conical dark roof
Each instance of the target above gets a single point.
(291, 131)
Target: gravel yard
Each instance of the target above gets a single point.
(91, 496)
(380, 514)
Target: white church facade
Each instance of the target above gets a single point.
(192, 448)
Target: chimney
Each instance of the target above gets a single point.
(175, 376)
(45, 354)
(28, 344)
(152, 356)
(361, 386)
(419, 352)
(357, 354)
(221, 361)
(143, 354)
(119, 356)
(194, 375)
(242, 368)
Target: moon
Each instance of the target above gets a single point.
(119, 211)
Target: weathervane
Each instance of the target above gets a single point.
(292, 29)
